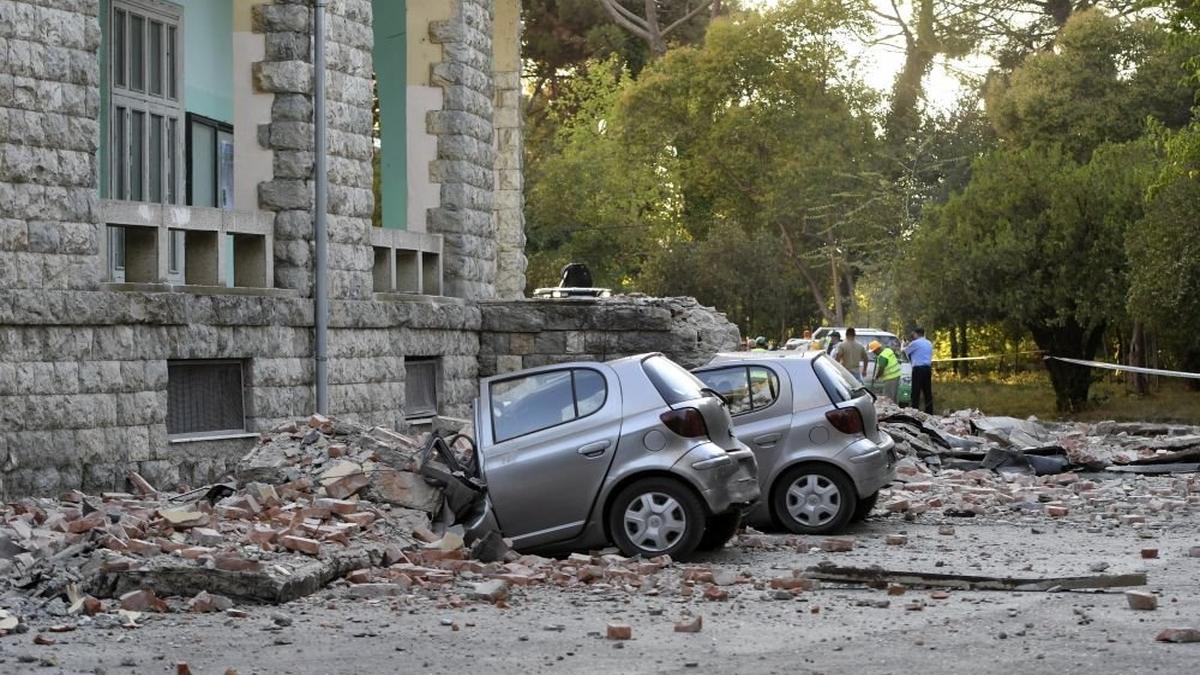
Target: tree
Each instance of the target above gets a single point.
(657, 20)
(769, 130)
(1101, 82)
(1038, 238)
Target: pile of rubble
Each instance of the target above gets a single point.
(967, 464)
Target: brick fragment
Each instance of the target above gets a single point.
(715, 593)
(347, 486)
(339, 506)
(896, 540)
(1057, 511)
(206, 536)
(1178, 635)
(897, 506)
(1149, 553)
(837, 544)
(262, 535)
(1141, 600)
(619, 631)
(690, 624)
(236, 563)
(302, 544)
(143, 600)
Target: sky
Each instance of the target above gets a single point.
(881, 62)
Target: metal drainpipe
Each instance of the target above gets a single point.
(320, 233)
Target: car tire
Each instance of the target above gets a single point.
(814, 499)
(865, 506)
(656, 516)
(719, 530)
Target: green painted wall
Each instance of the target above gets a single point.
(208, 58)
(391, 81)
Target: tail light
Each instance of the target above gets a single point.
(846, 420)
(687, 422)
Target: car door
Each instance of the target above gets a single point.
(548, 438)
(760, 403)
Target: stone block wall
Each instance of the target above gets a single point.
(527, 333)
(466, 154)
(49, 136)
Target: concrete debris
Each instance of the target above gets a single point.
(877, 577)
(1141, 600)
(689, 624)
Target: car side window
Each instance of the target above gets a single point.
(733, 384)
(764, 387)
(523, 405)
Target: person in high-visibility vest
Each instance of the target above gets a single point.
(887, 370)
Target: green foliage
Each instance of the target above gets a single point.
(1037, 238)
(1099, 84)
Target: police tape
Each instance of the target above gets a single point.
(1127, 369)
(989, 356)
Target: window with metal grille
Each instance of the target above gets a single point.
(420, 387)
(204, 398)
(145, 122)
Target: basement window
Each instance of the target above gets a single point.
(205, 398)
(420, 386)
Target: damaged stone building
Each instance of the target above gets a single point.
(156, 230)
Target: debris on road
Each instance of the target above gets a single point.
(878, 577)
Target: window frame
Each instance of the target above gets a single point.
(774, 383)
(242, 365)
(167, 107)
(218, 127)
(491, 412)
(436, 362)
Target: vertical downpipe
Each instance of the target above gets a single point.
(320, 231)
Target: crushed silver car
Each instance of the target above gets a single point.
(821, 455)
(632, 451)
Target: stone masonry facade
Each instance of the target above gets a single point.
(85, 362)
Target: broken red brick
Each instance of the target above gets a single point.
(361, 519)
(896, 540)
(896, 589)
(302, 544)
(359, 576)
(40, 639)
(142, 547)
(339, 506)
(1141, 600)
(236, 563)
(715, 593)
(142, 601)
(1149, 553)
(1178, 635)
(182, 668)
(194, 552)
(206, 536)
(347, 485)
(89, 522)
(792, 583)
(691, 624)
(1057, 511)
(619, 631)
(837, 544)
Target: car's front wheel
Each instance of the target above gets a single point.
(814, 499)
(719, 530)
(656, 516)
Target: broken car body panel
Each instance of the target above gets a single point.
(556, 443)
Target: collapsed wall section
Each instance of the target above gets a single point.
(526, 333)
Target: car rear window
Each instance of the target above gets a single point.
(838, 382)
(673, 382)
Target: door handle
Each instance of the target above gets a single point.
(594, 450)
(767, 440)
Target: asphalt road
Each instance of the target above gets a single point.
(829, 630)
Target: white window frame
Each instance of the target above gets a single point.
(165, 110)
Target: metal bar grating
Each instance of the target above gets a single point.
(204, 397)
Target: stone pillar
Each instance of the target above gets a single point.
(509, 198)
(465, 155)
(49, 134)
(287, 73)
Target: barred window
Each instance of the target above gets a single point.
(420, 387)
(145, 119)
(205, 398)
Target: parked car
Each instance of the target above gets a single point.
(821, 455)
(633, 451)
(864, 337)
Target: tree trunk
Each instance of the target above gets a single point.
(964, 347)
(920, 48)
(954, 351)
(1137, 358)
(838, 312)
(813, 287)
(1071, 382)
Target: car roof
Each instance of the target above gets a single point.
(725, 357)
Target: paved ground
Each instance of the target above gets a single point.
(548, 629)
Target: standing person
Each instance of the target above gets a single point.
(835, 338)
(852, 355)
(887, 370)
(760, 344)
(920, 353)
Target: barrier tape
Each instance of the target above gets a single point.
(989, 356)
(1127, 369)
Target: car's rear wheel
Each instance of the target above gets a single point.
(865, 506)
(814, 499)
(719, 530)
(656, 516)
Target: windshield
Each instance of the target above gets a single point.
(673, 383)
(838, 382)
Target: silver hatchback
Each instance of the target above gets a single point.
(821, 455)
(632, 451)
